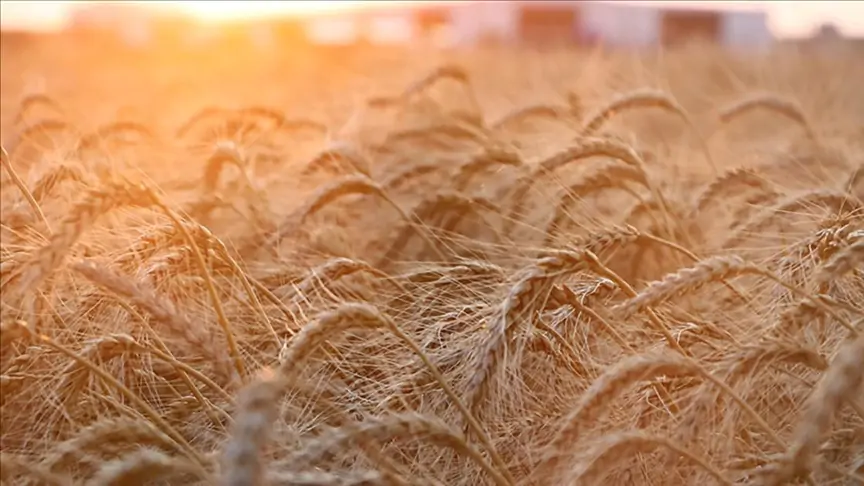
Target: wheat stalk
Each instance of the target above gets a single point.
(767, 101)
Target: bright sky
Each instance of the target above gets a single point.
(787, 18)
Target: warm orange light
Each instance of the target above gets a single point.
(218, 11)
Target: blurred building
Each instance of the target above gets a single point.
(453, 24)
(542, 22)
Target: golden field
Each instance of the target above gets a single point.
(374, 266)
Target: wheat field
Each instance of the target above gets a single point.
(375, 266)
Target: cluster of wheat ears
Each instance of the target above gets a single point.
(455, 300)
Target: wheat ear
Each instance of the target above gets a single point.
(616, 448)
(771, 102)
(580, 150)
(534, 285)
(554, 112)
(142, 467)
(12, 465)
(841, 382)
(35, 99)
(7, 164)
(340, 152)
(384, 429)
(646, 98)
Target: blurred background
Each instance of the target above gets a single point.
(444, 23)
(327, 57)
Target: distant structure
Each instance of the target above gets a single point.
(827, 33)
(542, 22)
(450, 24)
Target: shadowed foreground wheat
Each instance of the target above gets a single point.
(466, 283)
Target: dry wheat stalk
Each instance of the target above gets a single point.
(445, 71)
(33, 100)
(771, 102)
(162, 310)
(106, 434)
(335, 269)
(95, 203)
(34, 205)
(581, 150)
(202, 116)
(442, 136)
(429, 208)
(645, 98)
(399, 179)
(530, 292)
(116, 129)
(490, 157)
(225, 153)
(610, 176)
(553, 112)
(729, 181)
(595, 402)
(32, 133)
(843, 262)
(340, 153)
(142, 406)
(622, 445)
(829, 199)
(328, 194)
(842, 381)
(384, 429)
(258, 404)
(12, 465)
(257, 409)
(316, 478)
(685, 280)
(141, 467)
(46, 184)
